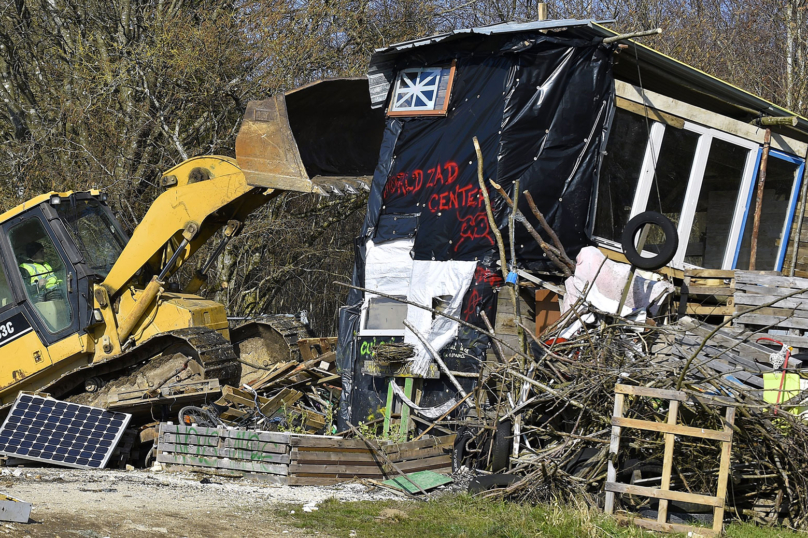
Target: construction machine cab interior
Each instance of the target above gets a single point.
(43, 272)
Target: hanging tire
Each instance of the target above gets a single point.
(666, 252)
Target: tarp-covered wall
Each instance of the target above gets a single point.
(540, 107)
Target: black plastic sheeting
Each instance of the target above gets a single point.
(396, 226)
(540, 106)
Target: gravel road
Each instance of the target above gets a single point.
(100, 503)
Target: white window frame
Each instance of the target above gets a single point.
(377, 332)
(645, 184)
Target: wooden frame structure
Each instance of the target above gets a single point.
(670, 429)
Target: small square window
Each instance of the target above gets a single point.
(384, 316)
(422, 91)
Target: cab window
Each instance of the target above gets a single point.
(43, 273)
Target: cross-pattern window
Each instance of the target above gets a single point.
(422, 90)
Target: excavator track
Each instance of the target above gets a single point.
(205, 346)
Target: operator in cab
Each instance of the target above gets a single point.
(41, 276)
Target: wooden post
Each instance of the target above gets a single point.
(614, 447)
(723, 472)
(667, 462)
(767, 142)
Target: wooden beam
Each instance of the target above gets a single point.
(707, 118)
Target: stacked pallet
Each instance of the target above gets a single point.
(219, 448)
(707, 292)
(789, 317)
(320, 461)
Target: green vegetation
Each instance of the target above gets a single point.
(468, 517)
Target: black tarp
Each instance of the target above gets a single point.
(540, 106)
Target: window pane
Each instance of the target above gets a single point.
(43, 273)
(620, 173)
(716, 206)
(385, 314)
(5, 290)
(94, 232)
(668, 187)
(780, 176)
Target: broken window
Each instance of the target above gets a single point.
(422, 91)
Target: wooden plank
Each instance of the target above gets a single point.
(315, 481)
(723, 470)
(614, 446)
(424, 464)
(335, 450)
(323, 458)
(256, 435)
(773, 321)
(221, 452)
(776, 300)
(419, 453)
(667, 463)
(650, 113)
(778, 281)
(326, 442)
(711, 273)
(331, 469)
(701, 433)
(443, 440)
(653, 525)
(189, 439)
(195, 430)
(709, 310)
(706, 117)
(711, 290)
(748, 348)
(222, 463)
(651, 392)
(664, 495)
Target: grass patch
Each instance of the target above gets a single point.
(468, 517)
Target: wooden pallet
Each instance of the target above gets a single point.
(319, 460)
(671, 429)
(789, 315)
(707, 292)
(219, 448)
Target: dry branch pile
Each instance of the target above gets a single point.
(559, 398)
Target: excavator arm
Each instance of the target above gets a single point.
(290, 142)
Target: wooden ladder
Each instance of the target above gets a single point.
(671, 429)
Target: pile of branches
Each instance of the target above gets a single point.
(559, 397)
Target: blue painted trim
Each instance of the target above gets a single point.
(795, 193)
(748, 204)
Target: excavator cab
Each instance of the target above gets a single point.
(52, 249)
(83, 307)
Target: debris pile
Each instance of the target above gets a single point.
(293, 396)
(558, 400)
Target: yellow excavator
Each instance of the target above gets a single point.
(83, 306)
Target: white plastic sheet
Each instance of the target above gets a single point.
(606, 280)
(435, 279)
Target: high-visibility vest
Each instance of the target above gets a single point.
(41, 270)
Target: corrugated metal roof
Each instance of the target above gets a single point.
(501, 28)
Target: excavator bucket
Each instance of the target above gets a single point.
(321, 138)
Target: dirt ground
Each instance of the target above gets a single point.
(105, 503)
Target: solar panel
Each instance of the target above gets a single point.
(62, 433)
